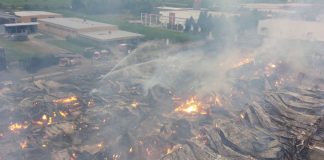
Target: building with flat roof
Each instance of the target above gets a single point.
(91, 30)
(33, 16)
(13, 28)
(7, 18)
(177, 16)
(75, 25)
(182, 15)
(292, 29)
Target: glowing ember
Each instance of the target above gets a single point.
(169, 150)
(218, 101)
(76, 104)
(23, 144)
(272, 65)
(100, 145)
(16, 127)
(192, 106)
(68, 100)
(39, 123)
(242, 115)
(116, 157)
(134, 104)
(45, 120)
(269, 69)
(91, 103)
(63, 113)
(244, 62)
(44, 117)
(50, 121)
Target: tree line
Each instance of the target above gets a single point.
(113, 6)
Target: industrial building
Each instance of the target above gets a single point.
(33, 16)
(292, 29)
(177, 16)
(72, 26)
(13, 28)
(7, 18)
(180, 16)
(90, 30)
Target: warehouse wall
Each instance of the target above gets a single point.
(55, 30)
(26, 19)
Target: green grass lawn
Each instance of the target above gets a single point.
(64, 44)
(18, 50)
(36, 3)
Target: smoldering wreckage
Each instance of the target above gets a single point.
(156, 106)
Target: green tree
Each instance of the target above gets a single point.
(77, 4)
(187, 26)
(203, 22)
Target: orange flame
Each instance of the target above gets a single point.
(244, 62)
(17, 127)
(100, 145)
(135, 105)
(50, 121)
(44, 117)
(44, 120)
(192, 106)
(39, 123)
(63, 113)
(66, 100)
(169, 150)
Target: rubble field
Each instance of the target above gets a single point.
(271, 111)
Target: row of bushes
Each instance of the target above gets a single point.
(34, 4)
(35, 63)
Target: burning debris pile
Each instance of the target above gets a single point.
(263, 115)
(192, 106)
(46, 126)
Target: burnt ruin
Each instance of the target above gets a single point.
(269, 111)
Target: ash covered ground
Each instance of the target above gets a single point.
(173, 104)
